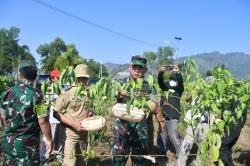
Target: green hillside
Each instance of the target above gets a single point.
(237, 62)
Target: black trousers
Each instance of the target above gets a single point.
(227, 144)
(226, 150)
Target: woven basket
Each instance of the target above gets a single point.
(94, 123)
(119, 110)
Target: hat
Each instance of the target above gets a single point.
(139, 60)
(81, 70)
(27, 63)
(55, 73)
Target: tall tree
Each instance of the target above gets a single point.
(50, 52)
(94, 68)
(162, 56)
(58, 55)
(70, 58)
(165, 55)
(10, 51)
(151, 57)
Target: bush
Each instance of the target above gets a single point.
(4, 80)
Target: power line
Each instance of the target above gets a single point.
(91, 23)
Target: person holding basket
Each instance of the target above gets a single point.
(70, 110)
(131, 135)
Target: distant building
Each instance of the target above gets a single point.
(121, 75)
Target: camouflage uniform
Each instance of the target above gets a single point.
(22, 106)
(127, 135)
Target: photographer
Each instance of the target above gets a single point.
(170, 107)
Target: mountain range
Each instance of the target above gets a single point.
(237, 63)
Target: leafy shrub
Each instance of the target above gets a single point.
(4, 80)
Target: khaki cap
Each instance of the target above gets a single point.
(81, 70)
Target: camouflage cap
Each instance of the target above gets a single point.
(139, 60)
(81, 70)
(27, 63)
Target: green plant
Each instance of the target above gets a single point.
(4, 80)
(217, 96)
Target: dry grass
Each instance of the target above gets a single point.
(241, 151)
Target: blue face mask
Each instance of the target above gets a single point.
(172, 83)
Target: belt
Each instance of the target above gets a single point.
(168, 118)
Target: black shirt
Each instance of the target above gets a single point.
(171, 106)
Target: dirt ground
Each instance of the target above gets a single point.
(241, 151)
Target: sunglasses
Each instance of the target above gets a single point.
(138, 67)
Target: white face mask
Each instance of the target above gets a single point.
(172, 83)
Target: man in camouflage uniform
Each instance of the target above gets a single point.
(129, 135)
(23, 116)
(74, 113)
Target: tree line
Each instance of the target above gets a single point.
(57, 55)
(54, 55)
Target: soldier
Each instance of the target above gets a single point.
(129, 135)
(74, 113)
(24, 115)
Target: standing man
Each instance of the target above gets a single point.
(24, 116)
(196, 133)
(231, 137)
(57, 130)
(70, 110)
(170, 106)
(133, 136)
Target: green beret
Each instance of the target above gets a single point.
(27, 63)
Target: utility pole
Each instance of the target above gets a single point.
(18, 65)
(177, 48)
(100, 70)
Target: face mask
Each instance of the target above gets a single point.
(172, 83)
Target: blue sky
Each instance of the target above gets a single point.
(204, 25)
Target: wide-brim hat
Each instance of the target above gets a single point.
(81, 70)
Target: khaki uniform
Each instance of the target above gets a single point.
(74, 109)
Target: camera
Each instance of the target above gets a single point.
(169, 67)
